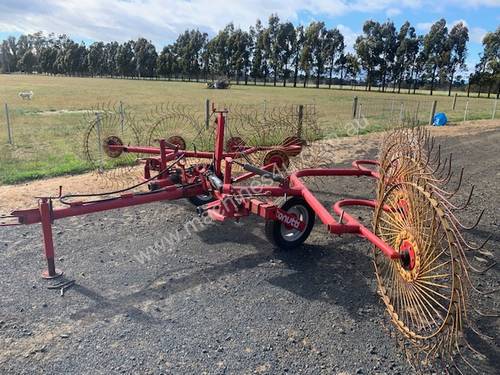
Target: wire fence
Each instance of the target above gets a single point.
(36, 143)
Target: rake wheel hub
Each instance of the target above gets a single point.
(112, 140)
(278, 157)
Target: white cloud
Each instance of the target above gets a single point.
(162, 20)
(476, 34)
(391, 12)
(424, 26)
(349, 36)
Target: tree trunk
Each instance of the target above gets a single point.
(498, 90)
(296, 73)
(489, 89)
(451, 82)
(433, 78)
(275, 76)
(305, 79)
(317, 79)
(415, 80)
(284, 75)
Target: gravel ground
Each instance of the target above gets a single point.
(222, 300)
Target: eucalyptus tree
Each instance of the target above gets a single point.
(47, 56)
(258, 51)
(333, 51)
(435, 50)
(96, 59)
(457, 47)
(369, 47)
(406, 54)
(166, 63)
(125, 59)
(400, 62)
(272, 45)
(145, 58)
(314, 53)
(220, 51)
(286, 39)
(388, 50)
(352, 66)
(110, 52)
(296, 52)
(8, 51)
(239, 51)
(488, 69)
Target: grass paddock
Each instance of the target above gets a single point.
(47, 131)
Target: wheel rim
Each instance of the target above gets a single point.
(290, 234)
(204, 197)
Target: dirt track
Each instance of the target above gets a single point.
(221, 300)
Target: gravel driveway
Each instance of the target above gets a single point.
(220, 299)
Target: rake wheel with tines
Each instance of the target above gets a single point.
(426, 293)
(107, 126)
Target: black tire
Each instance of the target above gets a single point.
(200, 200)
(275, 229)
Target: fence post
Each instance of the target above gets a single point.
(122, 116)
(454, 103)
(401, 113)
(99, 145)
(301, 118)
(466, 110)
(392, 109)
(417, 121)
(354, 106)
(207, 113)
(433, 111)
(7, 119)
(494, 109)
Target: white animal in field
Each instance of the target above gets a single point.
(26, 95)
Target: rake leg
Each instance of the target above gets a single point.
(51, 272)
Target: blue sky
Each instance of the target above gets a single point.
(161, 20)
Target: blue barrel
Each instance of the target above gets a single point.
(439, 119)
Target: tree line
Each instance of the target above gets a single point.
(276, 53)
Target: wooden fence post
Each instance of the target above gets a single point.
(494, 109)
(7, 119)
(466, 110)
(433, 111)
(354, 106)
(301, 119)
(207, 113)
(454, 102)
(122, 116)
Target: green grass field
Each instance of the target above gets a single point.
(47, 131)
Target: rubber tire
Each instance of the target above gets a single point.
(273, 227)
(200, 201)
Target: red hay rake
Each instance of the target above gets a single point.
(419, 251)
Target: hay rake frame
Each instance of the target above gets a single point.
(231, 201)
(410, 198)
